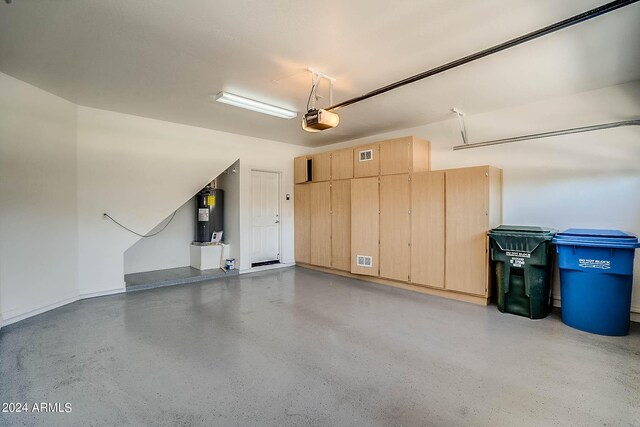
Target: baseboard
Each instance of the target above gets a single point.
(103, 293)
(17, 318)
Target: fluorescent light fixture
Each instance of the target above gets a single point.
(253, 105)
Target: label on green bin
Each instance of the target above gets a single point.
(518, 258)
(519, 254)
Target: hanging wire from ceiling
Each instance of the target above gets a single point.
(106, 215)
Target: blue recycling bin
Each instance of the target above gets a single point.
(596, 276)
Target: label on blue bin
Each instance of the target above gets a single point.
(601, 264)
(517, 258)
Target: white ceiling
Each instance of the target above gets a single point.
(162, 59)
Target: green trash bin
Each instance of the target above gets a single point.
(522, 263)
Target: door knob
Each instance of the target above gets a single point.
(277, 222)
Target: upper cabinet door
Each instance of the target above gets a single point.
(467, 223)
(366, 161)
(404, 155)
(301, 169)
(395, 230)
(321, 167)
(420, 155)
(342, 164)
(395, 156)
(427, 228)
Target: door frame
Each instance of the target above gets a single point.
(279, 175)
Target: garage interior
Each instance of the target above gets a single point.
(268, 213)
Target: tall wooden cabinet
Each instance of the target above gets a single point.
(428, 228)
(341, 224)
(320, 223)
(395, 227)
(302, 223)
(473, 206)
(364, 226)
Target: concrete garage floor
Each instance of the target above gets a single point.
(299, 347)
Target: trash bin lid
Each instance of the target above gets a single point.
(521, 238)
(523, 229)
(596, 238)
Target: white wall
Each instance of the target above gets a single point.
(589, 180)
(169, 248)
(230, 184)
(127, 164)
(38, 216)
(62, 166)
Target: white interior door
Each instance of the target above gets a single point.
(265, 211)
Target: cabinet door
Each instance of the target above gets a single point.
(467, 223)
(395, 156)
(320, 207)
(364, 226)
(342, 164)
(395, 229)
(341, 225)
(321, 167)
(302, 226)
(366, 161)
(427, 228)
(421, 155)
(300, 170)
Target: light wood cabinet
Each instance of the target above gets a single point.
(301, 219)
(378, 210)
(366, 160)
(342, 164)
(341, 225)
(364, 226)
(428, 228)
(404, 155)
(320, 222)
(395, 230)
(321, 167)
(301, 169)
(473, 206)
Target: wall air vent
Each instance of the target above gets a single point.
(364, 261)
(365, 155)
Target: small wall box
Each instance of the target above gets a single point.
(209, 257)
